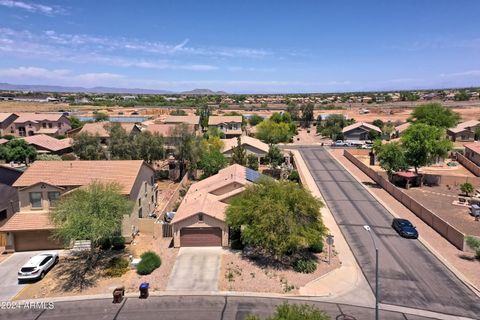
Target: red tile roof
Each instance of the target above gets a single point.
(37, 117)
(25, 221)
(48, 143)
(475, 146)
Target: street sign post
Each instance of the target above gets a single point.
(329, 242)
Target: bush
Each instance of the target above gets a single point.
(316, 247)
(294, 176)
(118, 243)
(150, 261)
(105, 244)
(68, 157)
(305, 265)
(294, 312)
(236, 244)
(116, 267)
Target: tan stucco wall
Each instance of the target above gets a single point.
(24, 197)
(193, 222)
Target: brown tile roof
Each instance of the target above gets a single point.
(37, 117)
(194, 120)
(402, 127)
(4, 116)
(216, 120)
(201, 196)
(361, 124)
(25, 221)
(101, 128)
(48, 143)
(229, 144)
(474, 146)
(80, 173)
(165, 129)
(464, 126)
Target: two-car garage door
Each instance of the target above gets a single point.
(35, 240)
(200, 237)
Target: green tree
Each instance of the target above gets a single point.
(239, 153)
(100, 116)
(378, 123)
(17, 150)
(307, 114)
(204, 112)
(295, 312)
(474, 243)
(423, 144)
(187, 148)
(49, 157)
(373, 135)
(121, 145)
(75, 122)
(461, 96)
(252, 162)
(293, 110)
(276, 217)
(214, 132)
(211, 162)
(93, 213)
(467, 188)
(255, 119)
(477, 133)
(271, 132)
(87, 147)
(274, 156)
(391, 157)
(149, 147)
(434, 114)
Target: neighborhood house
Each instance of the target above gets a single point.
(359, 131)
(230, 125)
(251, 145)
(44, 182)
(472, 152)
(464, 131)
(29, 124)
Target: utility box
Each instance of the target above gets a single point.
(475, 210)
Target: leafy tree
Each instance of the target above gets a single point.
(307, 114)
(49, 157)
(75, 122)
(239, 153)
(434, 114)
(373, 135)
(391, 157)
(211, 162)
(212, 143)
(423, 144)
(461, 96)
(332, 126)
(93, 213)
(467, 188)
(409, 96)
(121, 145)
(477, 133)
(474, 243)
(274, 156)
(17, 150)
(215, 132)
(252, 162)
(276, 217)
(293, 110)
(100, 116)
(255, 119)
(187, 148)
(204, 112)
(378, 123)
(87, 147)
(295, 312)
(149, 147)
(271, 132)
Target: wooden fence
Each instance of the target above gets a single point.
(449, 232)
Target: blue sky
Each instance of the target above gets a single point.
(242, 46)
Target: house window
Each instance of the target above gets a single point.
(200, 217)
(59, 124)
(44, 125)
(36, 199)
(153, 199)
(139, 201)
(53, 197)
(50, 125)
(3, 214)
(146, 188)
(140, 213)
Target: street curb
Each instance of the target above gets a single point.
(444, 261)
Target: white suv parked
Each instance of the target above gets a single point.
(37, 266)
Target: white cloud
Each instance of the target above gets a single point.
(32, 7)
(469, 73)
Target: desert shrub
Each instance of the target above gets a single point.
(294, 312)
(118, 243)
(149, 262)
(294, 176)
(305, 265)
(316, 246)
(105, 244)
(116, 267)
(68, 157)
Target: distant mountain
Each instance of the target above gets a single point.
(204, 92)
(48, 88)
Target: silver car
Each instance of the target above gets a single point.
(37, 266)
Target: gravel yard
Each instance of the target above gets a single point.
(238, 273)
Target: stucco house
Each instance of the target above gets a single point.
(29, 124)
(47, 144)
(359, 131)
(472, 152)
(251, 145)
(401, 128)
(230, 125)
(188, 120)
(464, 131)
(101, 129)
(200, 218)
(44, 182)
(6, 123)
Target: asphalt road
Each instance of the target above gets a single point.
(186, 308)
(9, 286)
(410, 275)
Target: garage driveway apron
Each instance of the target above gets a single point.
(196, 269)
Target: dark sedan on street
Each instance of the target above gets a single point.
(405, 228)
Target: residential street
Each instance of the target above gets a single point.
(410, 275)
(189, 308)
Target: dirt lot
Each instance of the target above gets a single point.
(64, 278)
(238, 273)
(439, 199)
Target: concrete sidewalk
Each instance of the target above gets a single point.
(465, 269)
(346, 284)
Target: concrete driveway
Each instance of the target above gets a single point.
(196, 269)
(9, 286)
